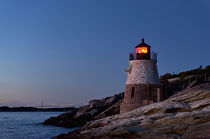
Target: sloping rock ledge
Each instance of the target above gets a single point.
(186, 115)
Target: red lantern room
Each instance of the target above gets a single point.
(142, 51)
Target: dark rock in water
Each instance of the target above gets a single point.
(79, 116)
(184, 115)
(64, 120)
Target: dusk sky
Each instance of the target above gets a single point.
(67, 52)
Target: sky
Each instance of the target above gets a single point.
(67, 52)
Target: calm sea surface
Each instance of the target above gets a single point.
(28, 125)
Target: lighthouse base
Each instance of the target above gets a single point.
(137, 95)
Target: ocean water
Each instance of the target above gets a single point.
(28, 125)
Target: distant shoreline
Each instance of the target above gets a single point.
(33, 109)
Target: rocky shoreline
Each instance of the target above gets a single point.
(184, 115)
(96, 109)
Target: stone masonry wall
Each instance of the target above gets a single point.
(142, 72)
(142, 96)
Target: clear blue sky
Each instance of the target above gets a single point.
(67, 52)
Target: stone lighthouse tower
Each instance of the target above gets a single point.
(143, 84)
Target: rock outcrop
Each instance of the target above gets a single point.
(184, 115)
(96, 109)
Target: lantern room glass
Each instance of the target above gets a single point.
(142, 50)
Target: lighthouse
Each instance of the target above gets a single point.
(143, 85)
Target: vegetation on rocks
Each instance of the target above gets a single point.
(184, 74)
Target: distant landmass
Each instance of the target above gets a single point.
(33, 109)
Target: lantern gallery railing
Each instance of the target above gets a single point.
(133, 56)
(154, 55)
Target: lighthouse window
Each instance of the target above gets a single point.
(151, 94)
(132, 93)
(141, 50)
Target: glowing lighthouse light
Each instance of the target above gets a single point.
(141, 50)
